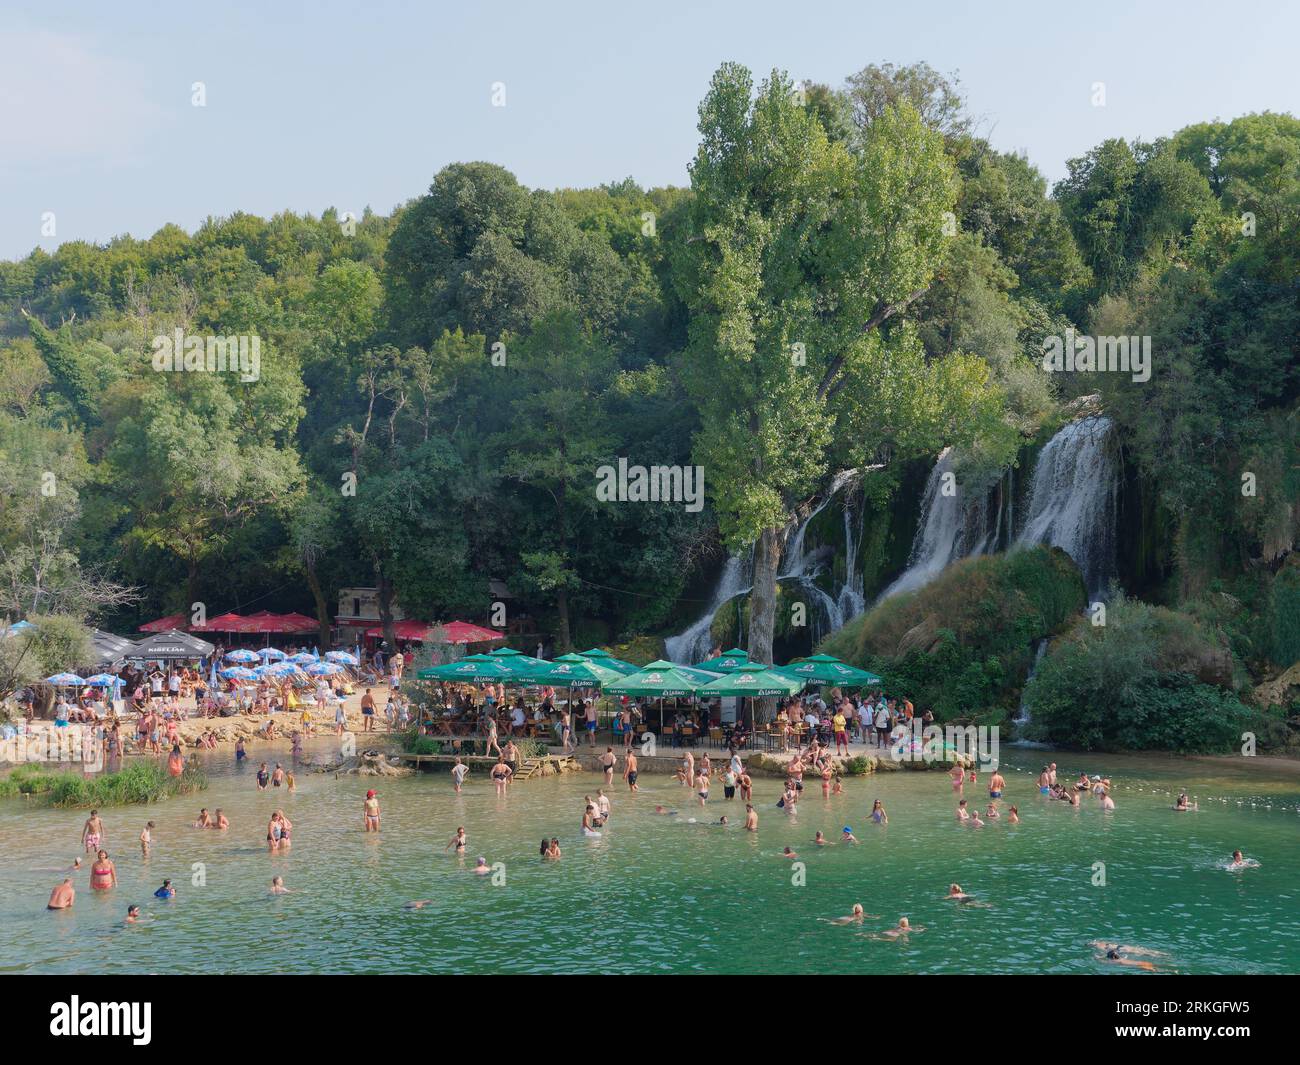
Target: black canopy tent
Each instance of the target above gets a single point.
(170, 646)
(108, 648)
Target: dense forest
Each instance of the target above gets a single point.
(854, 279)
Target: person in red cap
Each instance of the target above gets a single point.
(372, 811)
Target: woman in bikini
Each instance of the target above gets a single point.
(371, 812)
(103, 873)
(457, 841)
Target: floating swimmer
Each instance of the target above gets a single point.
(899, 931)
(856, 917)
(1240, 861)
(664, 811)
(788, 853)
(481, 866)
(1183, 804)
(847, 835)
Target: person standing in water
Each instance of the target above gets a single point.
(63, 896)
(751, 818)
(458, 841)
(458, 772)
(630, 771)
(92, 832)
(997, 784)
(146, 839)
(608, 762)
(103, 873)
(371, 811)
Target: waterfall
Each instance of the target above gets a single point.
(1022, 714)
(1073, 499)
(695, 643)
(952, 526)
(802, 566)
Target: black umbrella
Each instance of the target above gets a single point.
(109, 648)
(170, 646)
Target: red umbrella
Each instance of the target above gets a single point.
(167, 624)
(464, 632)
(222, 623)
(405, 630)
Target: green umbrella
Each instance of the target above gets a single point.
(610, 662)
(518, 660)
(574, 671)
(662, 680)
(476, 669)
(827, 669)
(727, 662)
(753, 683)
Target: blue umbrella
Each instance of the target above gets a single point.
(103, 680)
(324, 669)
(65, 680)
(302, 658)
(241, 655)
(272, 654)
(280, 669)
(345, 658)
(17, 627)
(238, 673)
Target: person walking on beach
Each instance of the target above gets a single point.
(630, 771)
(371, 811)
(368, 711)
(92, 832)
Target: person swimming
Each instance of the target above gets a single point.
(899, 931)
(856, 917)
(481, 867)
(788, 853)
(167, 891)
(664, 811)
(955, 892)
(277, 886)
(1240, 861)
(847, 836)
(819, 839)
(1013, 816)
(1183, 803)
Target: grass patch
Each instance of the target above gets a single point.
(142, 782)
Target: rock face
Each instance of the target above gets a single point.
(363, 764)
(1282, 690)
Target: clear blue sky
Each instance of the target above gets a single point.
(349, 105)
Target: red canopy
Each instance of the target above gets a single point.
(265, 621)
(222, 623)
(171, 621)
(452, 632)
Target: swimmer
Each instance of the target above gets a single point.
(589, 821)
(1240, 861)
(997, 785)
(167, 891)
(277, 886)
(664, 811)
(220, 821)
(788, 853)
(1013, 816)
(1107, 803)
(204, 820)
(1182, 804)
(370, 811)
(900, 931)
(878, 814)
(856, 917)
(263, 777)
(992, 812)
(553, 849)
(819, 839)
(751, 818)
(481, 867)
(974, 820)
(962, 813)
(132, 914)
(630, 772)
(1126, 948)
(955, 892)
(1113, 955)
(63, 896)
(457, 841)
(723, 821)
(847, 835)
(958, 777)
(417, 904)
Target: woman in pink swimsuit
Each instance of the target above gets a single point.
(103, 874)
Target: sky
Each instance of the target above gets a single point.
(308, 106)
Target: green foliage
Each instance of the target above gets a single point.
(139, 782)
(963, 643)
(1284, 616)
(1148, 679)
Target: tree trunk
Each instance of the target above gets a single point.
(191, 588)
(322, 610)
(762, 608)
(385, 589)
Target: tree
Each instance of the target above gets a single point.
(801, 261)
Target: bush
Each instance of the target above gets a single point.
(1139, 682)
(962, 645)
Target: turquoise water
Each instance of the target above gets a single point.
(657, 894)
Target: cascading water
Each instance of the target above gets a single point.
(1073, 499)
(695, 643)
(1022, 714)
(802, 566)
(953, 525)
